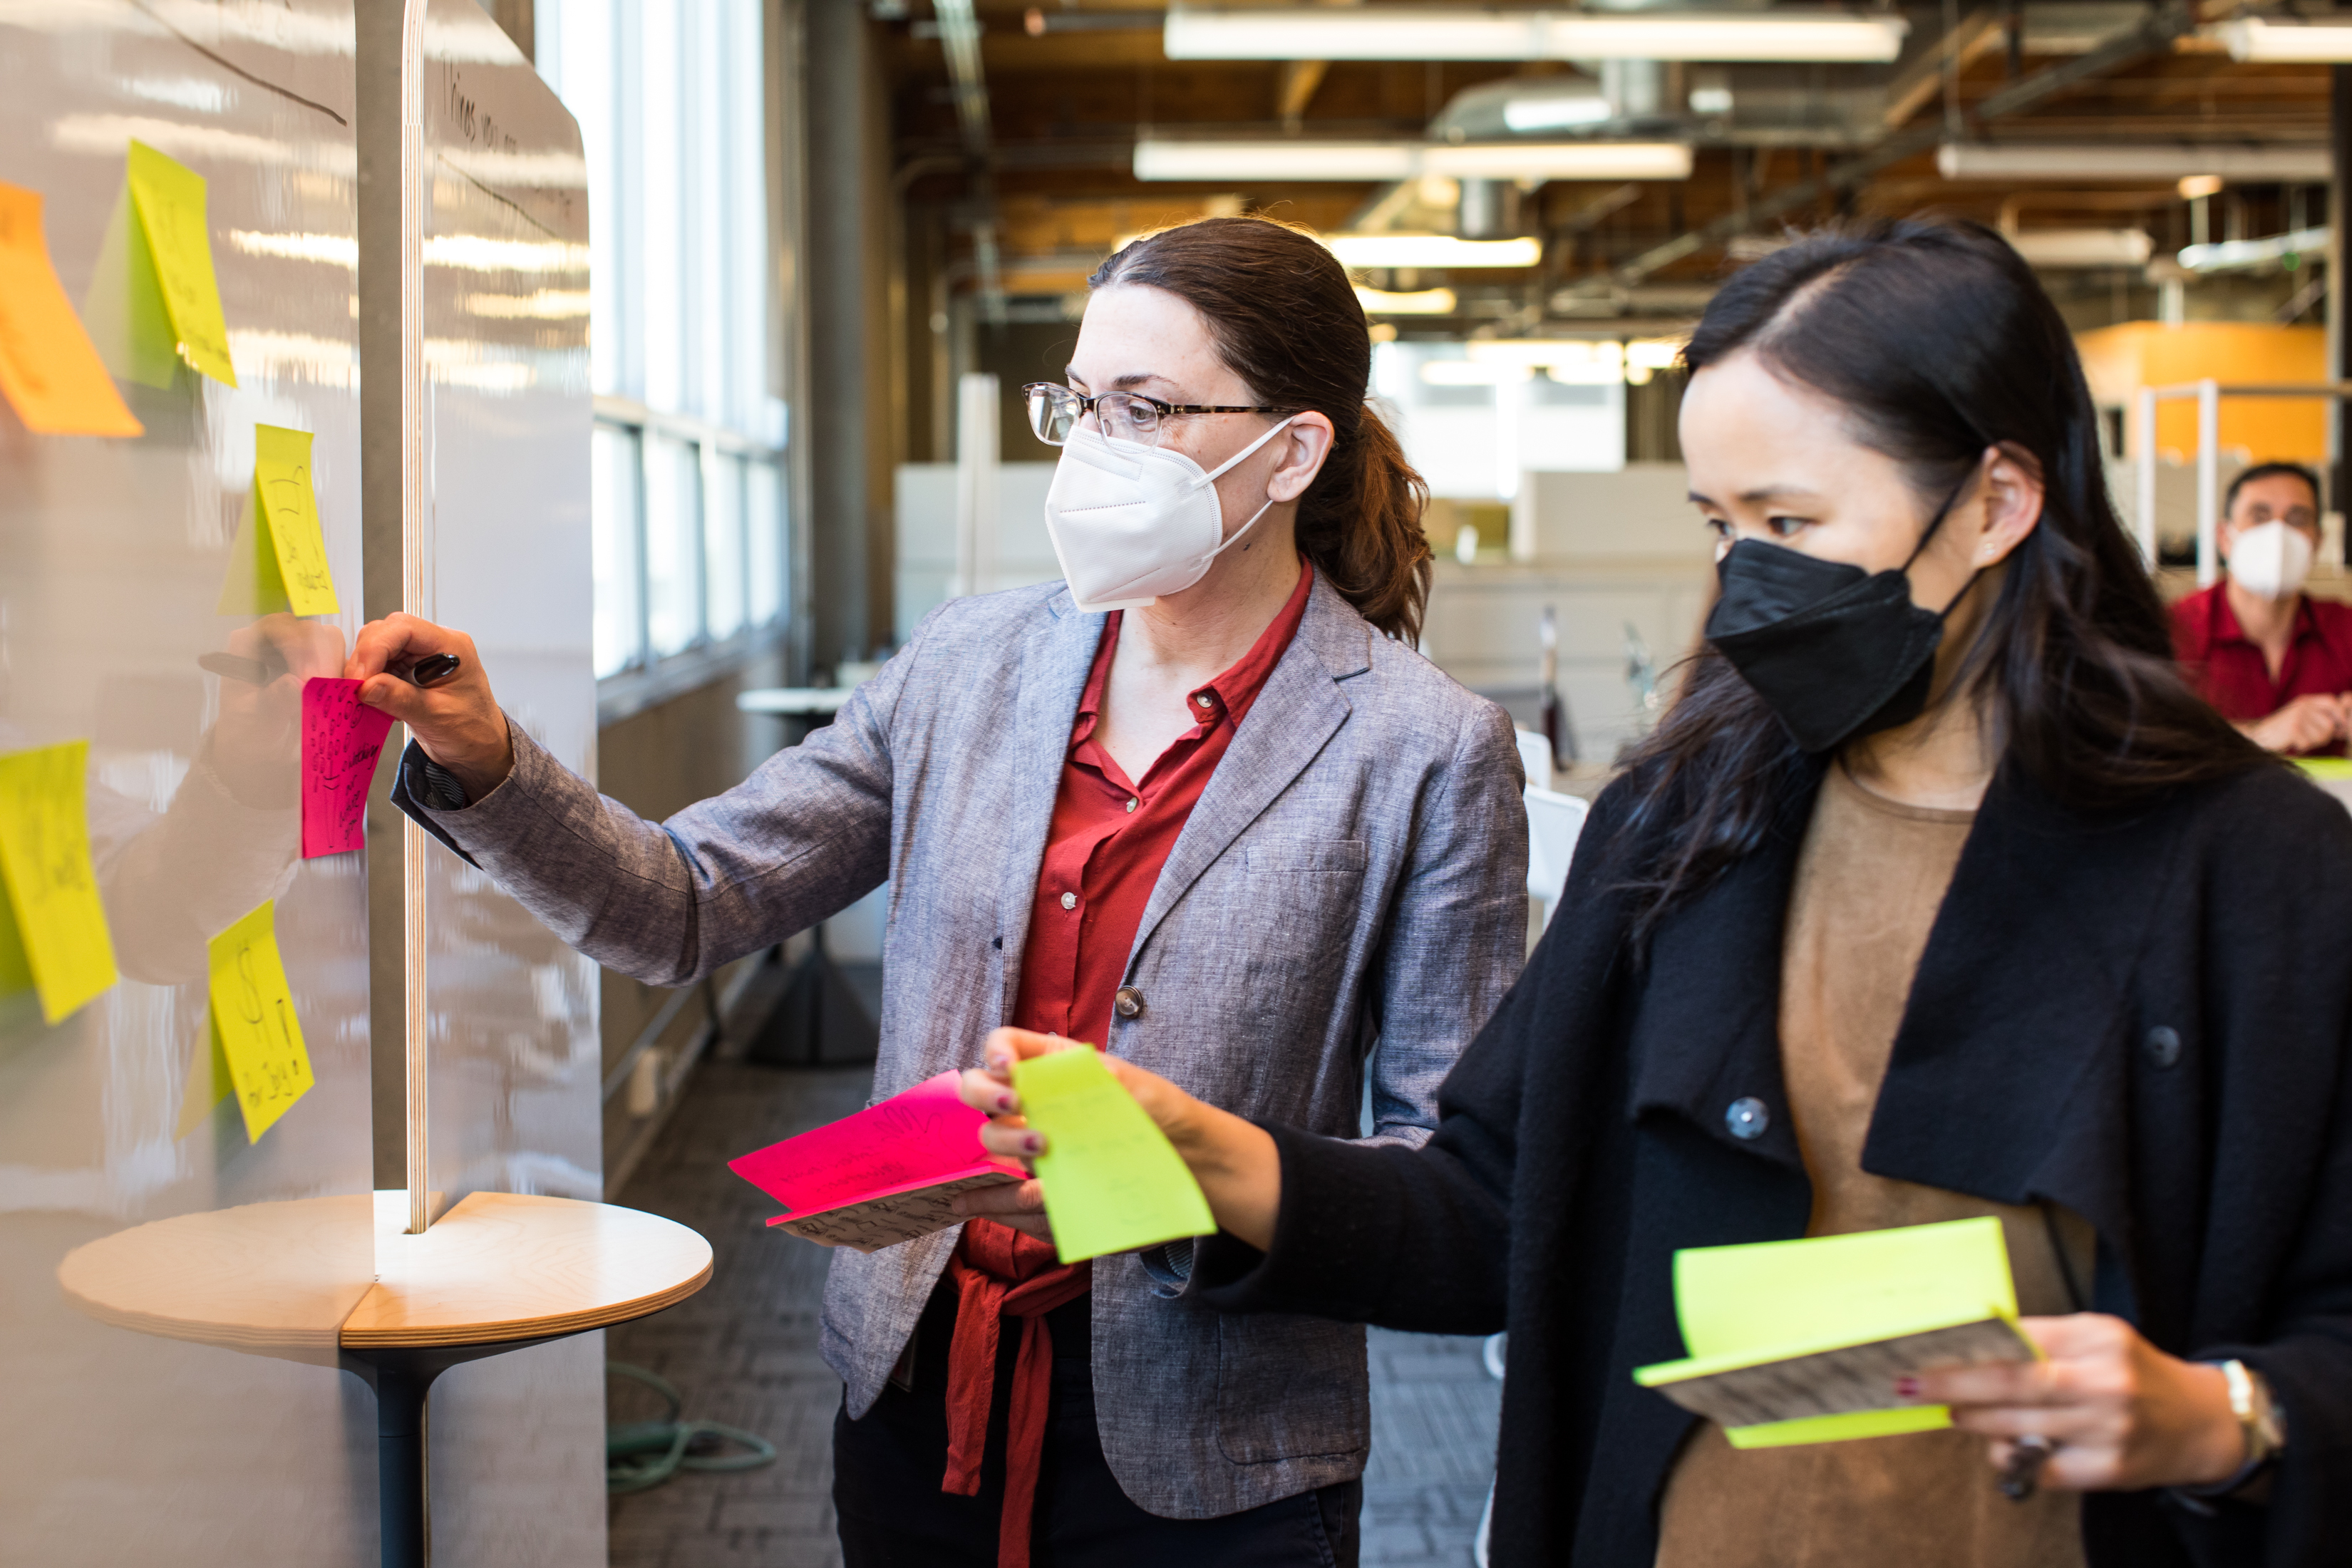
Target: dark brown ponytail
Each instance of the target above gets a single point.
(1285, 320)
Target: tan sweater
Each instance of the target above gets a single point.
(1870, 879)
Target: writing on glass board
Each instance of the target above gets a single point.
(48, 367)
(169, 198)
(254, 1023)
(341, 739)
(53, 934)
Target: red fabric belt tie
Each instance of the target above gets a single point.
(1001, 1273)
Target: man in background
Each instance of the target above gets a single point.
(2275, 661)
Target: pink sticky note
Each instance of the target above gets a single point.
(918, 1139)
(341, 738)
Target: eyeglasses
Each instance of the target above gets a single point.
(1055, 412)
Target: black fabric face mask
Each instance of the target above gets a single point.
(1835, 651)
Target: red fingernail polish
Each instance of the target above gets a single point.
(1907, 1387)
(1033, 1144)
(1003, 1102)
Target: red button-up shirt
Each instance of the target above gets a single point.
(2230, 672)
(1111, 836)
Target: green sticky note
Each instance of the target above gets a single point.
(1773, 1301)
(169, 198)
(1113, 1183)
(53, 931)
(124, 307)
(2325, 767)
(278, 562)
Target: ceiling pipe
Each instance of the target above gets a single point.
(960, 40)
(2155, 34)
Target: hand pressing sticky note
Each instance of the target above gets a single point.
(53, 931)
(281, 565)
(1113, 1183)
(169, 199)
(253, 1016)
(341, 739)
(48, 367)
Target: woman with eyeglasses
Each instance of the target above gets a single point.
(1201, 806)
(1936, 896)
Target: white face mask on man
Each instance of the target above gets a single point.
(1130, 523)
(2271, 560)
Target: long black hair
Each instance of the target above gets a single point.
(1938, 342)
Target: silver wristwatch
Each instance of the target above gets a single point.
(2261, 1420)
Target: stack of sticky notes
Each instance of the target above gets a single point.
(1801, 1341)
(887, 1174)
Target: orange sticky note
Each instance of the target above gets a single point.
(48, 367)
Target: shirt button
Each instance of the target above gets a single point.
(1069, 900)
(1130, 808)
(1748, 1117)
(1127, 1002)
(1203, 700)
(2162, 1046)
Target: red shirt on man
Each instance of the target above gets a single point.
(2229, 670)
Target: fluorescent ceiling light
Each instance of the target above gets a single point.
(1468, 372)
(1373, 33)
(1524, 115)
(1653, 354)
(1418, 302)
(1379, 161)
(1375, 250)
(1552, 354)
(2253, 38)
(2236, 253)
(2130, 160)
(2083, 246)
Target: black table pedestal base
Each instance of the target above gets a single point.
(402, 1377)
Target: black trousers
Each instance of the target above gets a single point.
(887, 1469)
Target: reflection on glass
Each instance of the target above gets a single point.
(764, 563)
(673, 533)
(665, 188)
(722, 543)
(613, 507)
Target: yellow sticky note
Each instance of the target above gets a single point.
(1773, 1301)
(253, 1014)
(283, 564)
(170, 199)
(48, 367)
(1113, 1183)
(59, 939)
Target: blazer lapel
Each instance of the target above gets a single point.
(1297, 712)
(1054, 658)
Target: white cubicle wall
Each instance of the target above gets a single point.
(121, 1446)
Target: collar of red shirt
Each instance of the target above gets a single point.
(2226, 628)
(1229, 695)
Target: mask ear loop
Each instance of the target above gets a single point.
(1225, 465)
(1933, 524)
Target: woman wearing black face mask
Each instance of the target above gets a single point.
(1936, 895)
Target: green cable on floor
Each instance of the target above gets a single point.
(642, 1455)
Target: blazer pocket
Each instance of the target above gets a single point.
(1339, 856)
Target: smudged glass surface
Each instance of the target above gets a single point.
(172, 1291)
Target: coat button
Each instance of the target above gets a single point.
(1069, 900)
(1747, 1116)
(1127, 1002)
(2162, 1046)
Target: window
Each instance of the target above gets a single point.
(688, 493)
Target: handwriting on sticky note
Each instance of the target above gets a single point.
(341, 739)
(1113, 1183)
(48, 367)
(887, 1174)
(59, 931)
(169, 198)
(252, 1013)
(286, 509)
(1791, 1338)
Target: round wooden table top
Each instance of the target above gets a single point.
(292, 1280)
(505, 1266)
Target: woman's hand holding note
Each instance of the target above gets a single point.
(1235, 1161)
(457, 722)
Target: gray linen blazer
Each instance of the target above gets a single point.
(1352, 877)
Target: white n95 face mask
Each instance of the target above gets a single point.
(2271, 561)
(1131, 522)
